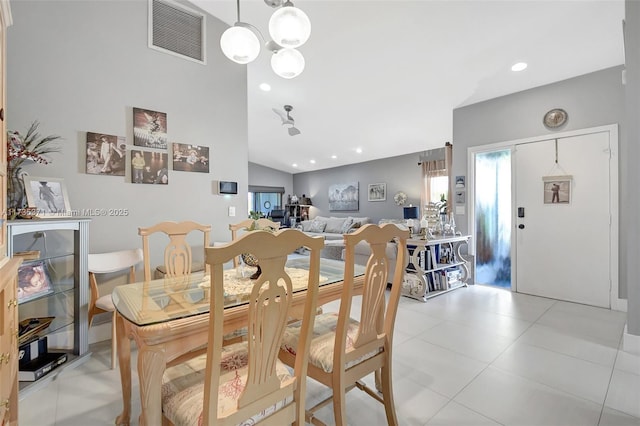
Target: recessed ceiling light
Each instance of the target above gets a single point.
(294, 165)
(312, 161)
(359, 150)
(265, 87)
(334, 157)
(519, 66)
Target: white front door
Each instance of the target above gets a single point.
(563, 248)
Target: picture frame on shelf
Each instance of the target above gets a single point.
(377, 192)
(33, 281)
(47, 197)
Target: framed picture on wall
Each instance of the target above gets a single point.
(106, 154)
(344, 197)
(557, 189)
(377, 192)
(190, 158)
(149, 128)
(48, 196)
(149, 167)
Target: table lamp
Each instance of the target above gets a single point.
(410, 215)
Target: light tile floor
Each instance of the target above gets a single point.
(475, 356)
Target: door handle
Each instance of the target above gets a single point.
(521, 226)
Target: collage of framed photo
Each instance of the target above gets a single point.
(149, 167)
(149, 128)
(148, 160)
(106, 154)
(190, 158)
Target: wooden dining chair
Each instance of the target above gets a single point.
(245, 383)
(345, 350)
(106, 263)
(178, 259)
(250, 225)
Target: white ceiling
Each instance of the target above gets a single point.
(385, 76)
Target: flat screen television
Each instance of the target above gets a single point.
(225, 187)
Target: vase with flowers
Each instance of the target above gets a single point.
(30, 148)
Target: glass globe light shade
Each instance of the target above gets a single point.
(287, 63)
(240, 44)
(289, 27)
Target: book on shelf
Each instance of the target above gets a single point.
(31, 349)
(41, 366)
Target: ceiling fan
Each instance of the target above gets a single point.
(287, 120)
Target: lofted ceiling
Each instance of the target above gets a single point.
(385, 76)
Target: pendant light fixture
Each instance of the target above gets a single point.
(289, 26)
(239, 43)
(287, 63)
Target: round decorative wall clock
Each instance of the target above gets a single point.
(555, 118)
(400, 198)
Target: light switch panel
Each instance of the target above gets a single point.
(232, 211)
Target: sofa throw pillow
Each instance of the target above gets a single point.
(317, 226)
(305, 226)
(361, 220)
(346, 226)
(334, 225)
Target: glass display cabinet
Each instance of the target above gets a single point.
(53, 286)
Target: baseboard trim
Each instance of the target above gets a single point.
(630, 342)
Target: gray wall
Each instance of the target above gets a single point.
(81, 66)
(400, 173)
(265, 176)
(630, 182)
(591, 100)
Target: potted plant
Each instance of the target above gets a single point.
(30, 147)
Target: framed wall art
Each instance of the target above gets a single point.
(149, 128)
(149, 167)
(344, 197)
(106, 154)
(557, 189)
(377, 192)
(48, 196)
(190, 158)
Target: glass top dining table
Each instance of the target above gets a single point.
(167, 299)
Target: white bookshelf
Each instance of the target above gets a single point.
(436, 266)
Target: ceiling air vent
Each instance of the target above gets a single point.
(177, 30)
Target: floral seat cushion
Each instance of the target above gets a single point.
(323, 341)
(183, 387)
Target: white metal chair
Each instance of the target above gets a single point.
(106, 263)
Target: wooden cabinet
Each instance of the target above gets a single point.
(9, 343)
(8, 267)
(436, 266)
(60, 246)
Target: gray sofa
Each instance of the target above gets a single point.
(331, 228)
